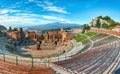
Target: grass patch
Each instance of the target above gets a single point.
(91, 33)
(80, 38)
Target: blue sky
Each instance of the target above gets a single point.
(35, 12)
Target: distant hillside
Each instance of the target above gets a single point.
(103, 22)
(56, 25)
(2, 27)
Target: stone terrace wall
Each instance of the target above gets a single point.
(105, 31)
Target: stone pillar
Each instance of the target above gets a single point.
(63, 36)
(47, 37)
(38, 45)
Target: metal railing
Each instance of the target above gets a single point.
(31, 62)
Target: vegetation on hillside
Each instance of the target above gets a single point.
(85, 28)
(111, 22)
(80, 38)
(90, 34)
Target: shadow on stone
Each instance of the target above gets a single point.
(117, 71)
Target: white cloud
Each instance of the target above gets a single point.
(26, 19)
(34, 1)
(17, 4)
(49, 6)
(53, 18)
(30, 0)
(67, 22)
(28, 15)
(29, 20)
(57, 19)
(6, 11)
(56, 9)
(19, 20)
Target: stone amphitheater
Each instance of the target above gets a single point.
(99, 54)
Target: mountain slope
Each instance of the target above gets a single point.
(2, 27)
(56, 25)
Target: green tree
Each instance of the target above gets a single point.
(83, 29)
(98, 23)
(106, 18)
(105, 25)
(10, 28)
(100, 17)
(86, 27)
(42, 37)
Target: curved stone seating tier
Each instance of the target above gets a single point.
(117, 68)
(85, 47)
(99, 36)
(106, 62)
(97, 59)
(8, 68)
(104, 41)
(85, 42)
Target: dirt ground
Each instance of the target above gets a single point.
(46, 51)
